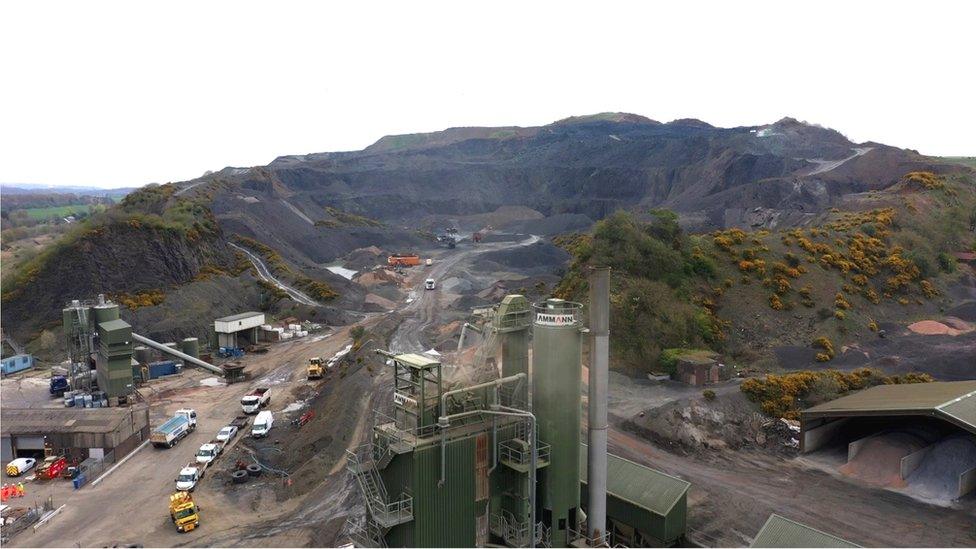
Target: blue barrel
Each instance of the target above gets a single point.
(80, 400)
(88, 401)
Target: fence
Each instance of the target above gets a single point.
(28, 516)
(92, 468)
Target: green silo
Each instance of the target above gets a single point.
(511, 322)
(556, 377)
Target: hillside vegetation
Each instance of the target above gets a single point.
(887, 257)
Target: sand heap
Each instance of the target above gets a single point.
(932, 327)
(879, 460)
(937, 477)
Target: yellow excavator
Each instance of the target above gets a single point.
(316, 368)
(184, 512)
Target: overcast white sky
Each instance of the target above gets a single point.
(127, 93)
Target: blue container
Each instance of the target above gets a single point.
(162, 368)
(79, 481)
(88, 401)
(80, 400)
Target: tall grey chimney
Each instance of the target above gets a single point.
(596, 463)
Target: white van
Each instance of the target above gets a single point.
(262, 424)
(429, 284)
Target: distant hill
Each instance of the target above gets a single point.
(33, 188)
(302, 212)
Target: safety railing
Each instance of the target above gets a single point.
(363, 532)
(581, 538)
(515, 452)
(506, 526)
(385, 512)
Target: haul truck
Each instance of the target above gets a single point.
(184, 512)
(175, 429)
(257, 399)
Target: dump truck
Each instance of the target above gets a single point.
(174, 429)
(183, 511)
(316, 368)
(255, 400)
(51, 467)
(403, 260)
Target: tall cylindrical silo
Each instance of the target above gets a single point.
(557, 335)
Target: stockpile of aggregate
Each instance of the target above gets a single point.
(937, 477)
(879, 460)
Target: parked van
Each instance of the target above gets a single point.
(262, 424)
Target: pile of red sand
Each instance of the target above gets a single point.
(931, 327)
(879, 460)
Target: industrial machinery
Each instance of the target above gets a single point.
(184, 512)
(502, 463)
(51, 467)
(316, 368)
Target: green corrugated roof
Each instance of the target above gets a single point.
(962, 409)
(639, 485)
(954, 401)
(783, 532)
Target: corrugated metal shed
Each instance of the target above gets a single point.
(648, 500)
(783, 532)
(953, 401)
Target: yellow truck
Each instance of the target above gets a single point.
(184, 512)
(316, 369)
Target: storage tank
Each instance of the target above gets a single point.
(142, 354)
(191, 346)
(557, 335)
(104, 313)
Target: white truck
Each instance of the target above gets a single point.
(190, 475)
(255, 400)
(209, 451)
(430, 284)
(183, 422)
(262, 424)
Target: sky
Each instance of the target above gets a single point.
(115, 94)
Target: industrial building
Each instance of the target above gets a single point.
(77, 432)
(502, 462)
(238, 330)
(94, 334)
(932, 424)
(783, 532)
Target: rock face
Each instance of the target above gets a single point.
(117, 258)
(594, 165)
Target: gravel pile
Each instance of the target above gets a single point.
(937, 477)
(879, 461)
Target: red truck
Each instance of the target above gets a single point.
(403, 260)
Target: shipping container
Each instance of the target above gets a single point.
(17, 363)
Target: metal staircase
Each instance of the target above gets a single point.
(365, 466)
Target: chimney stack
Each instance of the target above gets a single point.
(599, 377)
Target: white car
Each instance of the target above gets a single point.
(188, 479)
(20, 466)
(429, 284)
(227, 433)
(208, 452)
